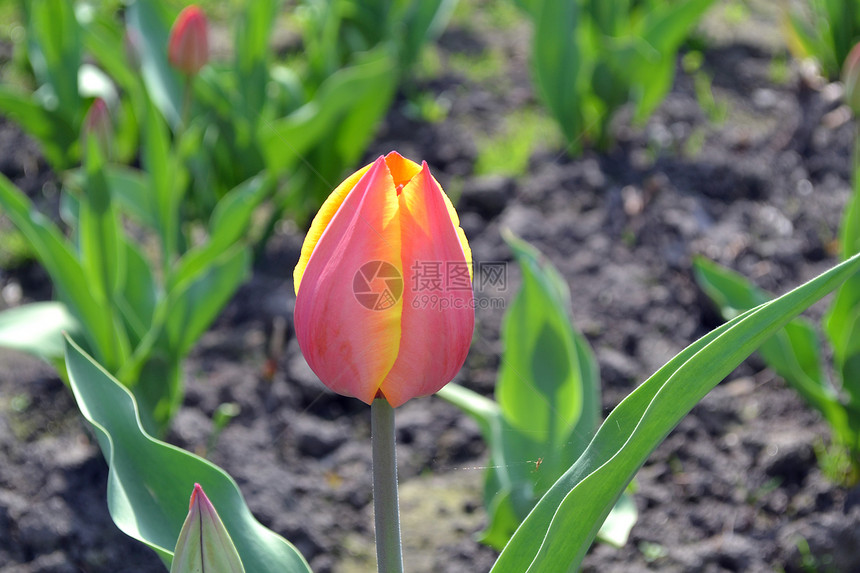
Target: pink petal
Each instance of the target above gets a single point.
(436, 325)
(349, 346)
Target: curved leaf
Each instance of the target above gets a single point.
(557, 533)
(149, 480)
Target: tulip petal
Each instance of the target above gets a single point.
(322, 219)
(349, 346)
(436, 324)
(402, 169)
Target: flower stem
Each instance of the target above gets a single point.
(386, 512)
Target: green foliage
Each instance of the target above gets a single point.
(824, 30)
(590, 57)
(149, 480)
(547, 403)
(65, 84)
(557, 533)
(139, 324)
(508, 152)
(236, 118)
(795, 351)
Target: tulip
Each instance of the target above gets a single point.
(98, 125)
(188, 47)
(204, 544)
(367, 321)
(851, 78)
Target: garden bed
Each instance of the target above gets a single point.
(735, 487)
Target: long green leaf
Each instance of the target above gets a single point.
(148, 23)
(540, 387)
(57, 138)
(54, 47)
(548, 395)
(228, 225)
(287, 140)
(194, 303)
(793, 352)
(567, 518)
(253, 30)
(65, 270)
(843, 320)
(558, 62)
(149, 480)
(101, 245)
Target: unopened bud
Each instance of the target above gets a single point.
(851, 78)
(188, 48)
(98, 125)
(204, 544)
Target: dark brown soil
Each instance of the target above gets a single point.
(736, 487)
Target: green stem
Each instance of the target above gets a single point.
(386, 513)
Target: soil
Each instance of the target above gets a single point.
(735, 487)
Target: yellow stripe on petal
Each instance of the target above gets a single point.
(438, 305)
(321, 221)
(452, 213)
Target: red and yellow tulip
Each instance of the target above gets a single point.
(368, 320)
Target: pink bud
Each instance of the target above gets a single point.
(204, 543)
(188, 48)
(97, 124)
(384, 304)
(851, 78)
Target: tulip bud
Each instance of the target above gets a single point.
(98, 126)
(188, 48)
(384, 303)
(204, 544)
(851, 78)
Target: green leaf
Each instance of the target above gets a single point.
(664, 30)
(54, 48)
(369, 106)
(548, 396)
(148, 22)
(37, 329)
(558, 62)
(540, 387)
(149, 480)
(253, 30)
(422, 21)
(285, 141)
(228, 226)
(137, 302)
(57, 138)
(66, 272)
(843, 320)
(132, 191)
(167, 181)
(793, 352)
(195, 302)
(557, 533)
